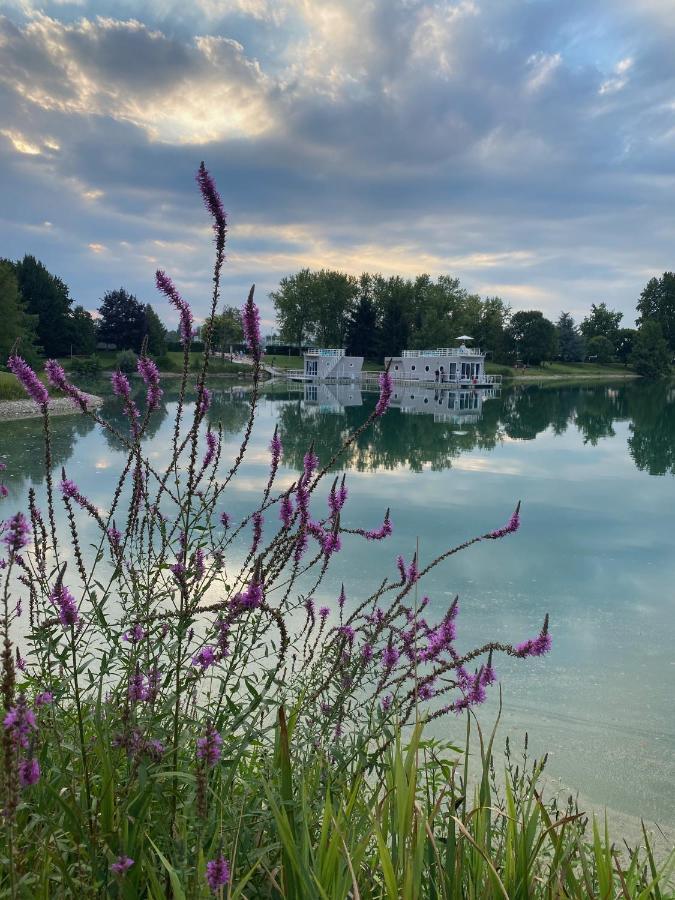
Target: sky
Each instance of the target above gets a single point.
(524, 146)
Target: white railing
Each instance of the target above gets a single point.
(443, 351)
(320, 351)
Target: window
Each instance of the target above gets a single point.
(412, 368)
(396, 367)
(426, 368)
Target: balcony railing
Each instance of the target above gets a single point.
(443, 351)
(320, 351)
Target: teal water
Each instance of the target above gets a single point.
(593, 466)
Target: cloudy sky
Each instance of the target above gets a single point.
(526, 146)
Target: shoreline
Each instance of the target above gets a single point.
(58, 406)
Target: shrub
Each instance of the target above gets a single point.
(126, 361)
(87, 367)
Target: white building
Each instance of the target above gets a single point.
(446, 365)
(329, 365)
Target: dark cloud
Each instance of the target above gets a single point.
(526, 147)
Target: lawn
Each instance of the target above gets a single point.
(558, 368)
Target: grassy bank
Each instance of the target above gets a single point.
(561, 369)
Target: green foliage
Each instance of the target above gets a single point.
(625, 340)
(123, 320)
(570, 342)
(228, 330)
(126, 362)
(48, 298)
(83, 332)
(155, 332)
(657, 304)
(601, 322)
(651, 356)
(600, 348)
(362, 324)
(532, 336)
(86, 367)
(17, 324)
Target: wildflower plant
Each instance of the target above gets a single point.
(172, 658)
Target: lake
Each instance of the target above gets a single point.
(593, 466)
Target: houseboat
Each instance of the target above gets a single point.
(458, 406)
(447, 365)
(331, 365)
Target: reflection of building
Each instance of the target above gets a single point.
(331, 365)
(456, 406)
(447, 365)
(332, 397)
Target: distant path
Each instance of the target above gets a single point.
(58, 406)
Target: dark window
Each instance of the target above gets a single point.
(412, 368)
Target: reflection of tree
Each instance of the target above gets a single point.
(652, 440)
(22, 447)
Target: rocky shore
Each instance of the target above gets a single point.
(26, 409)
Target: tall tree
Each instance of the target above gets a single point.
(657, 304)
(334, 295)
(393, 297)
(651, 355)
(362, 336)
(600, 349)
(227, 329)
(15, 323)
(570, 342)
(295, 309)
(82, 332)
(155, 332)
(601, 322)
(46, 297)
(625, 340)
(533, 336)
(122, 320)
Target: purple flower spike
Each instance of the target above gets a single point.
(286, 510)
(149, 372)
(275, 448)
(324, 612)
(209, 747)
(212, 444)
(167, 287)
(390, 656)
(537, 646)
(15, 532)
(258, 520)
(211, 199)
(44, 699)
(205, 658)
(64, 600)
(121, 865)
(217, 873)
(512, 526)
(225, 520)
(135, 634)
(57, 378)
(251, 324)
(120, 385)
(29, 772)
(29, 380)
(386, 387)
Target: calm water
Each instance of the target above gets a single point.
(594, 468)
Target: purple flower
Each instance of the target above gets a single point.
(205, 658)
(386, 702)
(166, 286)
(347, 632)
(71, 492)
(386, 387)
(29, 772)
(275, 448)
(44, 699)
(197, 560)
(212, 200)
(4, 492)
(29, 380)
(382, 532)
(300, 546)
(390, 656)
(217, 873)
(178, 570)
(115, 537)
(413, 573)
(64, 600)
(209, 747)
(537, 646)
(310, 462)
(224, 520)
(367, 653)
(149, 372)
(15, 532)
(324, 612)
(138, 691)
(252, 597)
(337, 498)
(120, 385)
(57, 378)
(342, 597)
(135, 634)
(20, 661)
(512, 526)
(211, 448)
(286, 510)
(121, 865)
(331, 543)
(203, 402)
(258, 520)
(20, 721)
(251, 322)
(401, 568)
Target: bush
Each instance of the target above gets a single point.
(126, 362)
(88, 367)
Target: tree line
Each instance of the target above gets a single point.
(373, 316)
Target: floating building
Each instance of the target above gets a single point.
(447, 365)
(331, 365)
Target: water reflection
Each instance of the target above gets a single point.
(431, 428)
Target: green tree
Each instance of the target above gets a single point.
(657, 303)
(362, 326)
(393, 298)
(46, 297)
(651, 355)
(334, 294)
(155, 332)
(17, 324)
(295, 309)
(570, 342)
(122, 321)
(82, 332)
(533, 336)
(625, 340)
(227, 329)
(601, 322)
(600, 348)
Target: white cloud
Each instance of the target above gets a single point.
(619, 79)
(542, 68)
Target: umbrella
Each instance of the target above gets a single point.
(464, 337)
